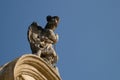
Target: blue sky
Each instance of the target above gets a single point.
(89, 31)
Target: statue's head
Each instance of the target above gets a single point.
(52, 22)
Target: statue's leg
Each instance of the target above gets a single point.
(53, 54)
(38, 53)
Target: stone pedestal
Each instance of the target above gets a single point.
(28, 67)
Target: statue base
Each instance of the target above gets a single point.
(28, 67)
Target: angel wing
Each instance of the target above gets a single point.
(33, 35)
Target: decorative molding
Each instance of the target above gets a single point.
(30, 67)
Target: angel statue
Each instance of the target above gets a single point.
(42, 39)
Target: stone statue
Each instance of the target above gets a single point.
(42, 39)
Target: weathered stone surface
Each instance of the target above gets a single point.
(42, 39)
(28, 67)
